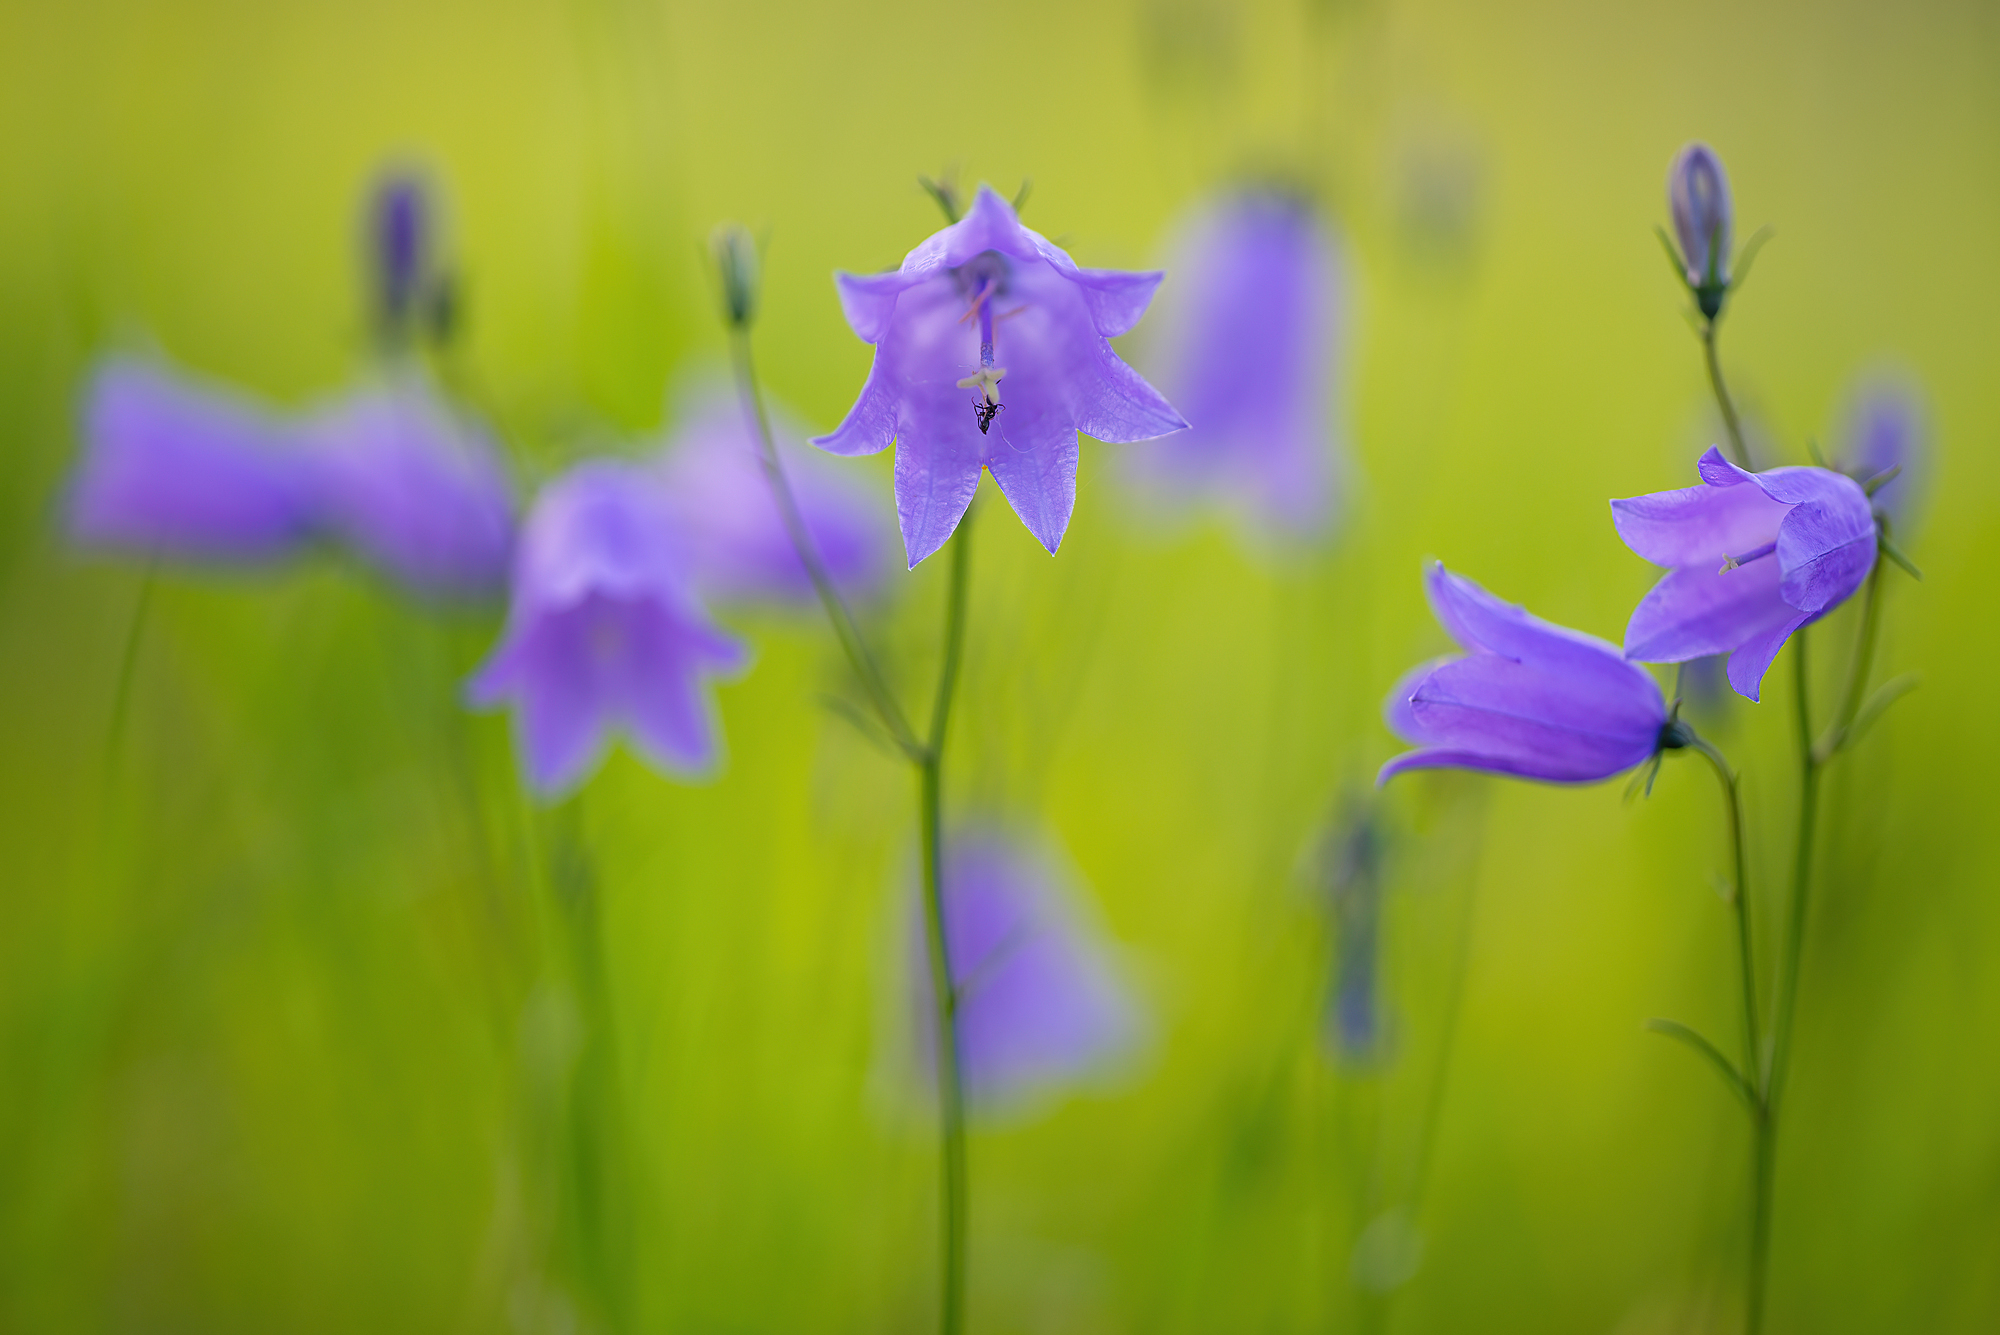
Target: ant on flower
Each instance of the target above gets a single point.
(985, 410)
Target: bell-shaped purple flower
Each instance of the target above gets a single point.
(605, 632)
(714, 475)
(1245, 347)
(1704, 218)
(184, 470)
(413, 487)
(1528, 698)
(1753, 557)
(992, 352)
(1040, 1004)
(1886, 433)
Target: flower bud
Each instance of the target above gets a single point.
(1698, 194)
(735, 253)
(399, 237)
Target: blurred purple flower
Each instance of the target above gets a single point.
(714, 475)
(605, 632)
(1040, 1004)
(185, 470)
(1530, 699)
(1723, 593)
(935, 388)
(1886, 429)
(1704, 218)
(412, 487)
(1246, 350)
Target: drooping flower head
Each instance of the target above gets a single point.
(1528, 698)
(184, 470)
(1704, 219)
(413, 487)
(1752, 557)
(1885, 434)
(605, 633)
(1039, 1005)
(714, 476)
(992, 352)
(1245, 343)
(400, 237)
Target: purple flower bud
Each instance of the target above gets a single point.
(413, 487)
(1246, 338)
(185, 470)
(1752, 557)
(1040, 1004)
(1529, 698)
(1886, 432)
(399, 234)
(714, 476)
(1354, 887)
(1698, 195)
(605, 632)
(992, 352)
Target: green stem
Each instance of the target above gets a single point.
(1835, 737)
(927, 755)
(951, 1094)
(1730, 421)
(1757, 1098)
(128, 662)
(844, 625)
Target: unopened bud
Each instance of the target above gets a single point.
(735, 252)
(1698, 194)
(399, 235)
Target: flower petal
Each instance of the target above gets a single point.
(1826, 550)
(1697, 610)
(1752, 658)
(934, 486)
(1697, 525)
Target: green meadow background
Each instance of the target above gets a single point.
(300, 1010)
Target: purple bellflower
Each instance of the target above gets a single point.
(183, 470)
(1886, 434)
(1753, 557)
(1040, 1004)
(605, 632)
(1704, 219)
(412, 487)
(992, 352)
(1245, 348)
(399, 226)
(1528, 698)
(714, 475)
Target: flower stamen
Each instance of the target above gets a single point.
(1730, 563)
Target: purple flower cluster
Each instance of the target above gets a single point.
(182, 470)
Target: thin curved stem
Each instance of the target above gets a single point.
(1754, 1092)
(944, 988)
(837, 611)
(1737, 452)
(1795, 926)
(128, 661)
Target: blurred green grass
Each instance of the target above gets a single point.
(263, 1061)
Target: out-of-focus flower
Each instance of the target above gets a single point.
(1529, 698)
(991, 351)
(184, 470)
(1753, 557)
(605, 632)
(413, 487)
(714, 476)
(1246, 351)
(1039, 1004)
(1886, 431)
(1353, 871)
(1698, 196)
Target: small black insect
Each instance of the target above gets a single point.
(985, 412)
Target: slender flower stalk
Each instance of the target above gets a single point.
(735, 255)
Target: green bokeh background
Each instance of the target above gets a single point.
(284, 1002)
